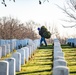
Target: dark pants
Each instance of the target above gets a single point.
(43, 40)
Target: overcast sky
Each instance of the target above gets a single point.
(30, 9)
(26, 10)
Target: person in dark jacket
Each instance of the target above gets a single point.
(42, 37)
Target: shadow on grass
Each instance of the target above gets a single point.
(73, 72)
(37, 71)
(65, 46)
(37, 59)
(47, 55)
(46, 47)
(40, 64)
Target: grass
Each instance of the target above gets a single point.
(70, 56)
(40, 64)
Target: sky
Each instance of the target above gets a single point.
(30, 9)
(47, 12)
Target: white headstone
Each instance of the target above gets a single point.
(56, 53)
(60, 62)
(3, 50)
(12, 44)
(37, 42)
(11, 66)
(58, 48)
(4, 68)
(60, 70)
(22, 55)
(8, 48)
(17, 57)
(30, 50)
(27, 53)
(34, 46)
(58, 57)
(0, 52)
(60, 54)
(30, 42)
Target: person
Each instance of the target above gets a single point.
(42, 37)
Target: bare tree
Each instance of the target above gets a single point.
(70, 12)
(8, 27)
(73, 2)
(12, 28)
(4, 2)
(31, 27)
(40, 2)
(54, 30)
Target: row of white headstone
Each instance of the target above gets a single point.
(71, 41)
(59, 62)
(14, 43)
(6, 48)
(13, 64)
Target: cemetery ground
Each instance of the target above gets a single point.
(70, 57)
(40, 63)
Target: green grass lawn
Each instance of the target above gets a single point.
(70, 57)
(40, 63)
